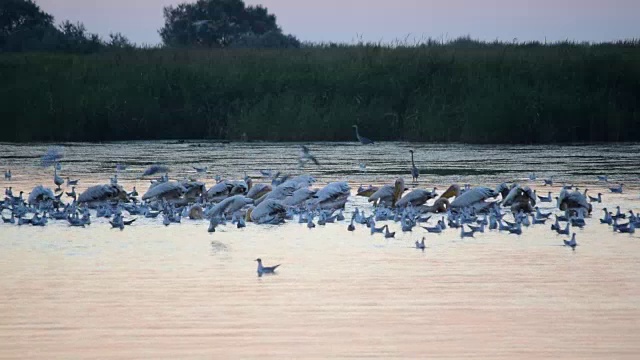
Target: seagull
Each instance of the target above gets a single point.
(72, 182)
(387, 233)
(571, 243)
(265, 269)
(603, 178)
(548, 181)
(617, 189)
(532, 176)
(547, 198)
(200, 170)
(420, 245)
(305, 156)
(7, 175)
(597, 199)
(72, 194)
(464, 234)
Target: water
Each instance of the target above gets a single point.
(179, 292)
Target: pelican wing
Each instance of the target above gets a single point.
(268, 211)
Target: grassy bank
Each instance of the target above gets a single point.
(477, 93)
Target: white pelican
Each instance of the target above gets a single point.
(415, 173)
(332, 196)
(220, 191)
(229, 206)
(416, 197)
(474, 197)
(258, 190)
(40, 194)
(520, 199)
(299, 196)
(268, 212)
(101, 193)
(170, 190)
(363, 140)
(573, 200)
(388, 195)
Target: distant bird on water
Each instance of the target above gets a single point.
(363, 140)
(154, 169)
(305, 155)
(265, 269)
(415, 173)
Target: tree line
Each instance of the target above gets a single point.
(24, 26)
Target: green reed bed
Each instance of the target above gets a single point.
(469, 92)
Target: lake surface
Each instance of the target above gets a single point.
(178, 292)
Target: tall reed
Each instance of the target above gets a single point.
(461, 91)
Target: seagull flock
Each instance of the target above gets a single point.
(509, 207)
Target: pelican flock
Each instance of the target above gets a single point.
(277, 198)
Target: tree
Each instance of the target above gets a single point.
(22, 22)
(216, 23)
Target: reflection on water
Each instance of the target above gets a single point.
(177, 292)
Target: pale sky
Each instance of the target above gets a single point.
(375, 20)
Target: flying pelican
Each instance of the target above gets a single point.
(414, 170)
(265, 269)
(388, 195)
(363, 140)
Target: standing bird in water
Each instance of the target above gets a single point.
(57, 180)
(415, 173)
(7, 175)
(363, 140)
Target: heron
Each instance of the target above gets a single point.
(414, 170)
(363, 140)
